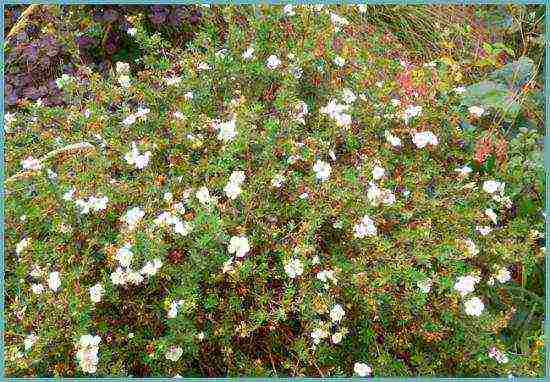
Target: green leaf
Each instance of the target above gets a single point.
(491, 94)
(515, 74)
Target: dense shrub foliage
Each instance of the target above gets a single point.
(286, 194)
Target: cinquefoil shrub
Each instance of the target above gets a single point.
(289, 197)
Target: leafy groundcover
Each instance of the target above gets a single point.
(281, 193)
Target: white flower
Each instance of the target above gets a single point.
(86, 354)
(474, 306)
(491, 215)
(348, 96)
(424, 138)
(471, 247)
(322, 170)
(182, 228)
(365, 228)
(476, 110)
(134, 277)
(378, 172)
(492, 186)
(122, 67)
(124, 255)
(174, 353)
(203, 195)
(318, 334)
(336, 338)
(296, 71)
(377, 196)
(233, 187)
(338, 113)
(294, 268)
(362, 8)
(133, 157)
(203, 66)
(273, 62)
(88, 340)
(54, 282)
(463, 171)
(459, 90)
(466, 284)
(129, 120)
(424, 285)
(339, 61)
(173, 311)
(226, 130)
(232, 190)
(9, 118)
(63, 81)
(497, 355)
(168, 197)
(293, 159)
(98, 204)
(392, 139)
(22, 245)
(228, 266)
(119, 277)
(362, 369)
(249, 53)
(302, 112)
(164, 219)
(174, 80)
(188, 96)
(411, 112)
(124, 81)
(37, 288)
(338, 21)
(503, 275)
(29, 341)
(132, 31)
(289, 10)
(133, 216)
(84, 206)
(239, 246)
(337, 313)
(484, 230)
(67, 196)
(178, 115)
(221, 53)
(96, 292)
(151, 267)
(277, 180)
(395, 102)
(31, 164)
(326, 274)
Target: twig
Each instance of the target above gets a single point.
(273, 364)
(22, 22)
(70, 149)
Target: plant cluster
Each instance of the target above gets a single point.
(291, 194)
